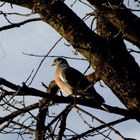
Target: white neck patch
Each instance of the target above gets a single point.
(62, 78)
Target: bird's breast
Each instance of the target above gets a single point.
(62, 84)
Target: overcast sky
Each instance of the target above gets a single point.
(38, 38)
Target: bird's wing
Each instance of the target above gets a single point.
(74, 78)
(77, 81)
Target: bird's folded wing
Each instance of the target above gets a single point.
(77, 81)
(74, 78)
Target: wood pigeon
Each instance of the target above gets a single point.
(74, 82)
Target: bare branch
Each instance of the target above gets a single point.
(13, 25)
(63, 125)
(18, 112)
(67, 109)
(100, 121)
(24, 90)
(98, 128)
(44, 59)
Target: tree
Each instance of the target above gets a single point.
(106, 52)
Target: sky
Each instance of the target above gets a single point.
(38, 38)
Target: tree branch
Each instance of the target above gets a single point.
(66, 110)
(18, 24)
(43, 110)
(26, 91)
(63, 124)
(98, 128)
(115, 12)
(18, 112)
(110, 63)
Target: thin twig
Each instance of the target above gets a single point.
(18, 112)
(98, 128)
(13, 25)
(44, 60)
(100, 121)
(91, 126)
(53, 56)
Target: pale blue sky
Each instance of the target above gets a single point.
(38, 38)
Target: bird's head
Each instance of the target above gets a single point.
(60, 61)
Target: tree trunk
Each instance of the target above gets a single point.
(109, 57)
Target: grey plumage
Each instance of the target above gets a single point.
(74, 82)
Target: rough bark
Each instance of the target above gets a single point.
(126, 23)
(115, 66)
(43, 111)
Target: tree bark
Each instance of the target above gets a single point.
(110, 59)
(126, 23)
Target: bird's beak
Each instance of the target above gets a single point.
(52, 64)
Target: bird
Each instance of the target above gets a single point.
(73, 82)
